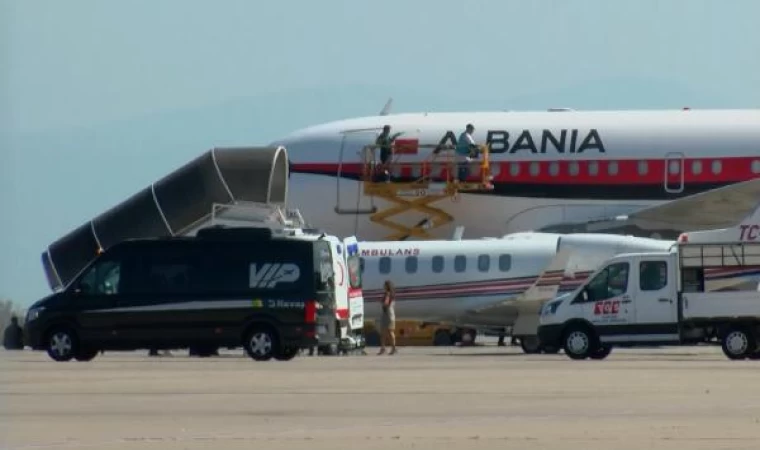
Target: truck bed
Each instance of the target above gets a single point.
(712, 305)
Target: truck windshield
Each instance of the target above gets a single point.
(354, 271)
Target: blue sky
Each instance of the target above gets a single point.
(100, 98)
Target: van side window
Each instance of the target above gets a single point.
(169, 277)
(437, 264)
(102, 279)
(505, 263)
(411, 264)
(385, 264)
(484, 263)
(653, 275)
(460, 263)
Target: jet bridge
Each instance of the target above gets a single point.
(239, 184)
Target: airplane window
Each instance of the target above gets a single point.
(574, 169)
(716, 166)
(554, 169)
(385, 264)
(612, 168)
(496, 169)
(593, 168)
(437, 264)
(534, 169)
(756, 166)
(643, 167)
(484, 263)
(674, 167)
(460, 263)
(505, 263)
(514, 169)
(411, 264)
(696, 167)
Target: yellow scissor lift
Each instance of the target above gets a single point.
(432, 179)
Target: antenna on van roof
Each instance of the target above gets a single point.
(458, 233)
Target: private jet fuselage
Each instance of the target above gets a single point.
(549, 167)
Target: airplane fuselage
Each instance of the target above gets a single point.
(548, 167)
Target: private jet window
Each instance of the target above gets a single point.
(612, 168)
(534, 169)
(610, 282)
(102, 279)
(411, 264)
(437, 264)
(593, 168)
(696, 167)
(484, 263)
(514, 169)
(653, 275)
(756, 166)
(505, 263)
(674, 167)
(554, 168)
(460, 263)
(716, 166)
(384, 265)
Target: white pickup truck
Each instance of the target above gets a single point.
(664, 298)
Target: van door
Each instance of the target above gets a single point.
(606, 301)
(656, 300)
(95, 300)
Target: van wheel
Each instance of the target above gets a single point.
(261, 344)
(286, 353)
(738, 343)
(578, 342)
(601, 352)
(530, 345)
(61, 344)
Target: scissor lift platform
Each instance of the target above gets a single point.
(416, 185)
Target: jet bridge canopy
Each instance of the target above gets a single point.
(177, 204)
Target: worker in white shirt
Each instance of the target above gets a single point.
(466, 149)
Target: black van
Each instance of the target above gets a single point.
(222, 288)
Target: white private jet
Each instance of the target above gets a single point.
(553, 170)
(488, 283)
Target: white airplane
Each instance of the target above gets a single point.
(553, 170)
(484, 283)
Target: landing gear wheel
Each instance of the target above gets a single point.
(286, 353)
(738, 343)
(530, 345)
(261, 344)
(601, 352)
(86, 354)
(442, 338)
(62, 344)
(578, 343)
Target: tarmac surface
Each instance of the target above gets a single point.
(421, 398)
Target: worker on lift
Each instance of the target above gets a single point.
(466, 150)
(385, 142)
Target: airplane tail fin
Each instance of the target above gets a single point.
(548, 283)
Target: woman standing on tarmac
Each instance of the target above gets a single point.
(388, 321)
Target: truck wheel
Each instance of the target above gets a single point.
(601, 352)
(578, 343)
(286, 353)
(530, 345)
(62, 344)
(86, 354)
(738, 343)
(442, 338)
(261, 344)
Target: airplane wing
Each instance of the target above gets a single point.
(718, 208)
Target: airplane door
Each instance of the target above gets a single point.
(674, 173)
(349, 195)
